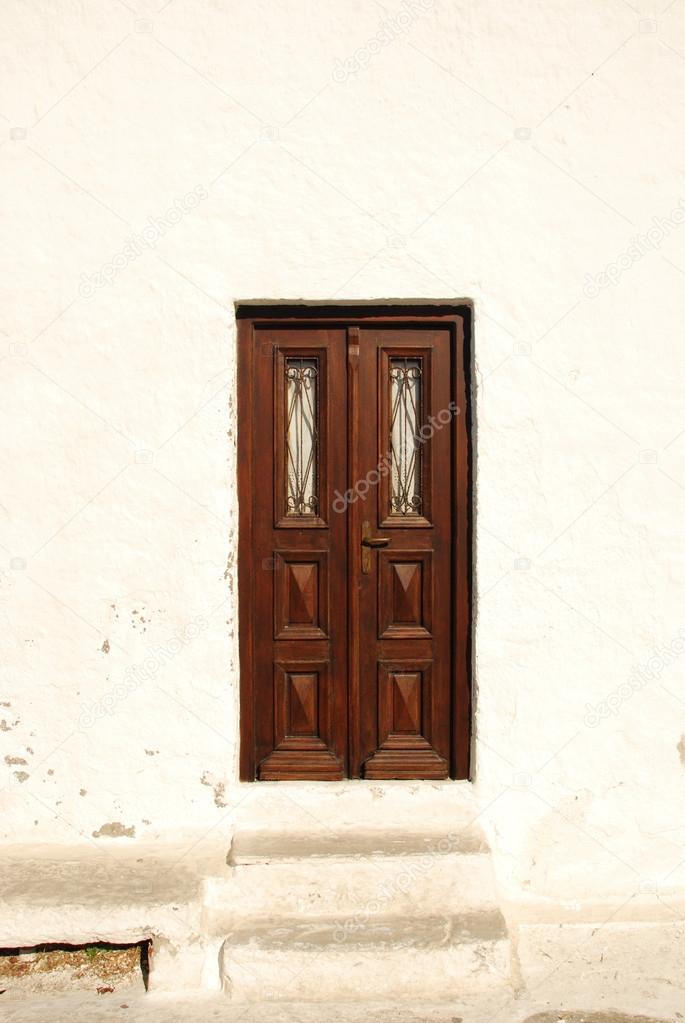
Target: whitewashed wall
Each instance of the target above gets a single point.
(161, 161)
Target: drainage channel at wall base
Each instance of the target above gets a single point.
(100, 967)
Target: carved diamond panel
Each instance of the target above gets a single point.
(302, 704)
(405, 746)
(301, 595)
(403, 703)
(406, 591)
(302, 710)
(302, 723)
(405, 594)
(406, 703)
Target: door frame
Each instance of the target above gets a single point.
(458, 318)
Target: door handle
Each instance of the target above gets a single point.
(368, 544)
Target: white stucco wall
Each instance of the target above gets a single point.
(507, 153)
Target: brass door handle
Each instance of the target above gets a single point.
(368, 543)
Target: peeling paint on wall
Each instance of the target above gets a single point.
(115, 829)
(218, 787)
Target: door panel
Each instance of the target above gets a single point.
(405, 594)
(405, 650)
(301, 591)
(300, 633)
(354, 518)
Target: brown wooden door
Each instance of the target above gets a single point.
(354, 546)
(404, 586)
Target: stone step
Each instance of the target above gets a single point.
(114, 894)
(337, 888)
(396, 957)
(250, 847)
(349, 876)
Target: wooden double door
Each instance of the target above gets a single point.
(354, 544)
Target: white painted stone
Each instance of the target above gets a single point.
(354, 887)
(508, 154)
(396, 958)
(611, 957)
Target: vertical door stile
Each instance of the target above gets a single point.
(462, 566)
(353, 548)
(246, 594)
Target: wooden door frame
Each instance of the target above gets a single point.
(459, 318)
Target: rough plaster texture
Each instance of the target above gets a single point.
(160, 162)
(553, 1008)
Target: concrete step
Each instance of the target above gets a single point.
(114, 894)
(357, 914)
(391, 957)
(283, 915)
(446, 883)
(250, 847)
(349, 877)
